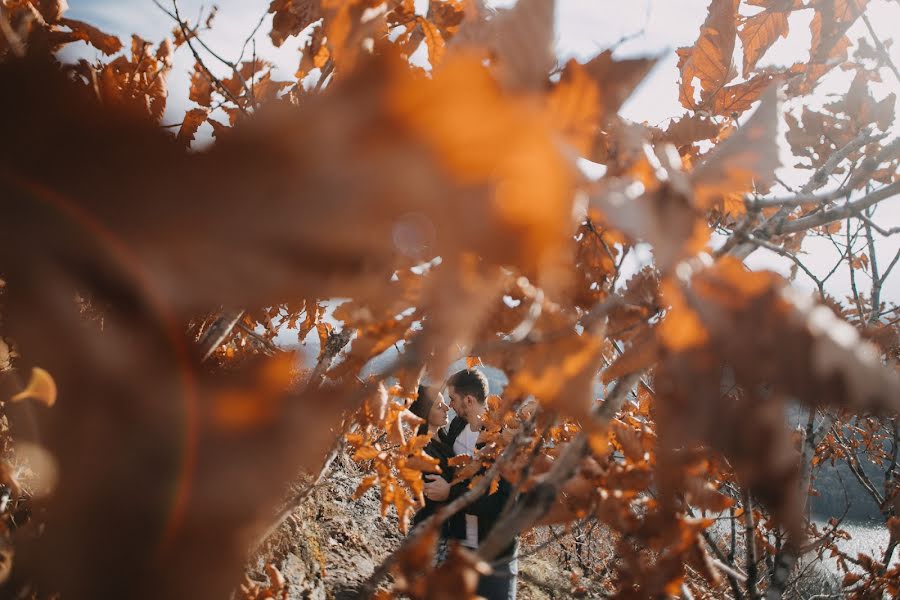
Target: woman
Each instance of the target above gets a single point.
(430, 406)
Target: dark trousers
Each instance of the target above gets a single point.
(501, 584)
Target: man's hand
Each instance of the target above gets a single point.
(436, 488)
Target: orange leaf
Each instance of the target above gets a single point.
(201, 87)
(760, 31)
(107, 44)
(364, 486)
(616, 78)
(40, 388)
(747, 158)
(434, 40)
(687, 130)
(365, 453)
(735, 99)
(193, 119)
(574, 107)
(681, 329)
(710, 58)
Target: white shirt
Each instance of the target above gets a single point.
(465, 444)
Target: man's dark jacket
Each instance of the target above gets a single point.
(486, 507)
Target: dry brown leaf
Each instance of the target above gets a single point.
(758, 32)
(747, 159)
(734, 99)
(617, 78)
(201, 87)
(710, 58)
(107, 44)
(687, 130)
(193, 119)
(290, 17)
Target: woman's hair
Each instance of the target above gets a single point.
(421, 407)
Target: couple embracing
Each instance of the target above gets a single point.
(467, 392)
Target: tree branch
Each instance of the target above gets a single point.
(841, 212)
(219, 331)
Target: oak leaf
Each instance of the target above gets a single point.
(617, 78)
(193, 119)
(107, 44)
(758, 32)
(735, 99)
(746, 159)
(433, 40)
(201, 86)
(710, 58)
(687, 130)
(290, 17)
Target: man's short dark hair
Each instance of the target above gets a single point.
(470, 382)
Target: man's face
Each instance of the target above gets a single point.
(457, 402)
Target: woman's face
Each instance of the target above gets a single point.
(437, 416)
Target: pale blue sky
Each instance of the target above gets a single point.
(584, 28)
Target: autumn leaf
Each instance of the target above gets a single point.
(107, 44)
(41, 388)
(758, 32)
(290, 17)
(746, 159)
(710, 58)
(193, 119)
(574, 107)
(687, 130)
(681, 329)
(367, 482)
(734, 99)
(201, 87)
(663, 214)
(617, 78)
(521, 38)
(561, 373)
(434, 40)
(830, 21)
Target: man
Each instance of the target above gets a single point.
(468, 391)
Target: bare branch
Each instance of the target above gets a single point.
(219, 331)
(819, 178)
(883, 53)
(835, 214)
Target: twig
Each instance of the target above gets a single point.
(750, 541)
(187, 38)
(841, 212)
(882, 51)
(782, 252)
(219, 331)
(266, 343)
(885, 232)
(819, 178)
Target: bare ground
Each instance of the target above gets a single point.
(331, 544)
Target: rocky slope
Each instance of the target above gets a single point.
(331, 544)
